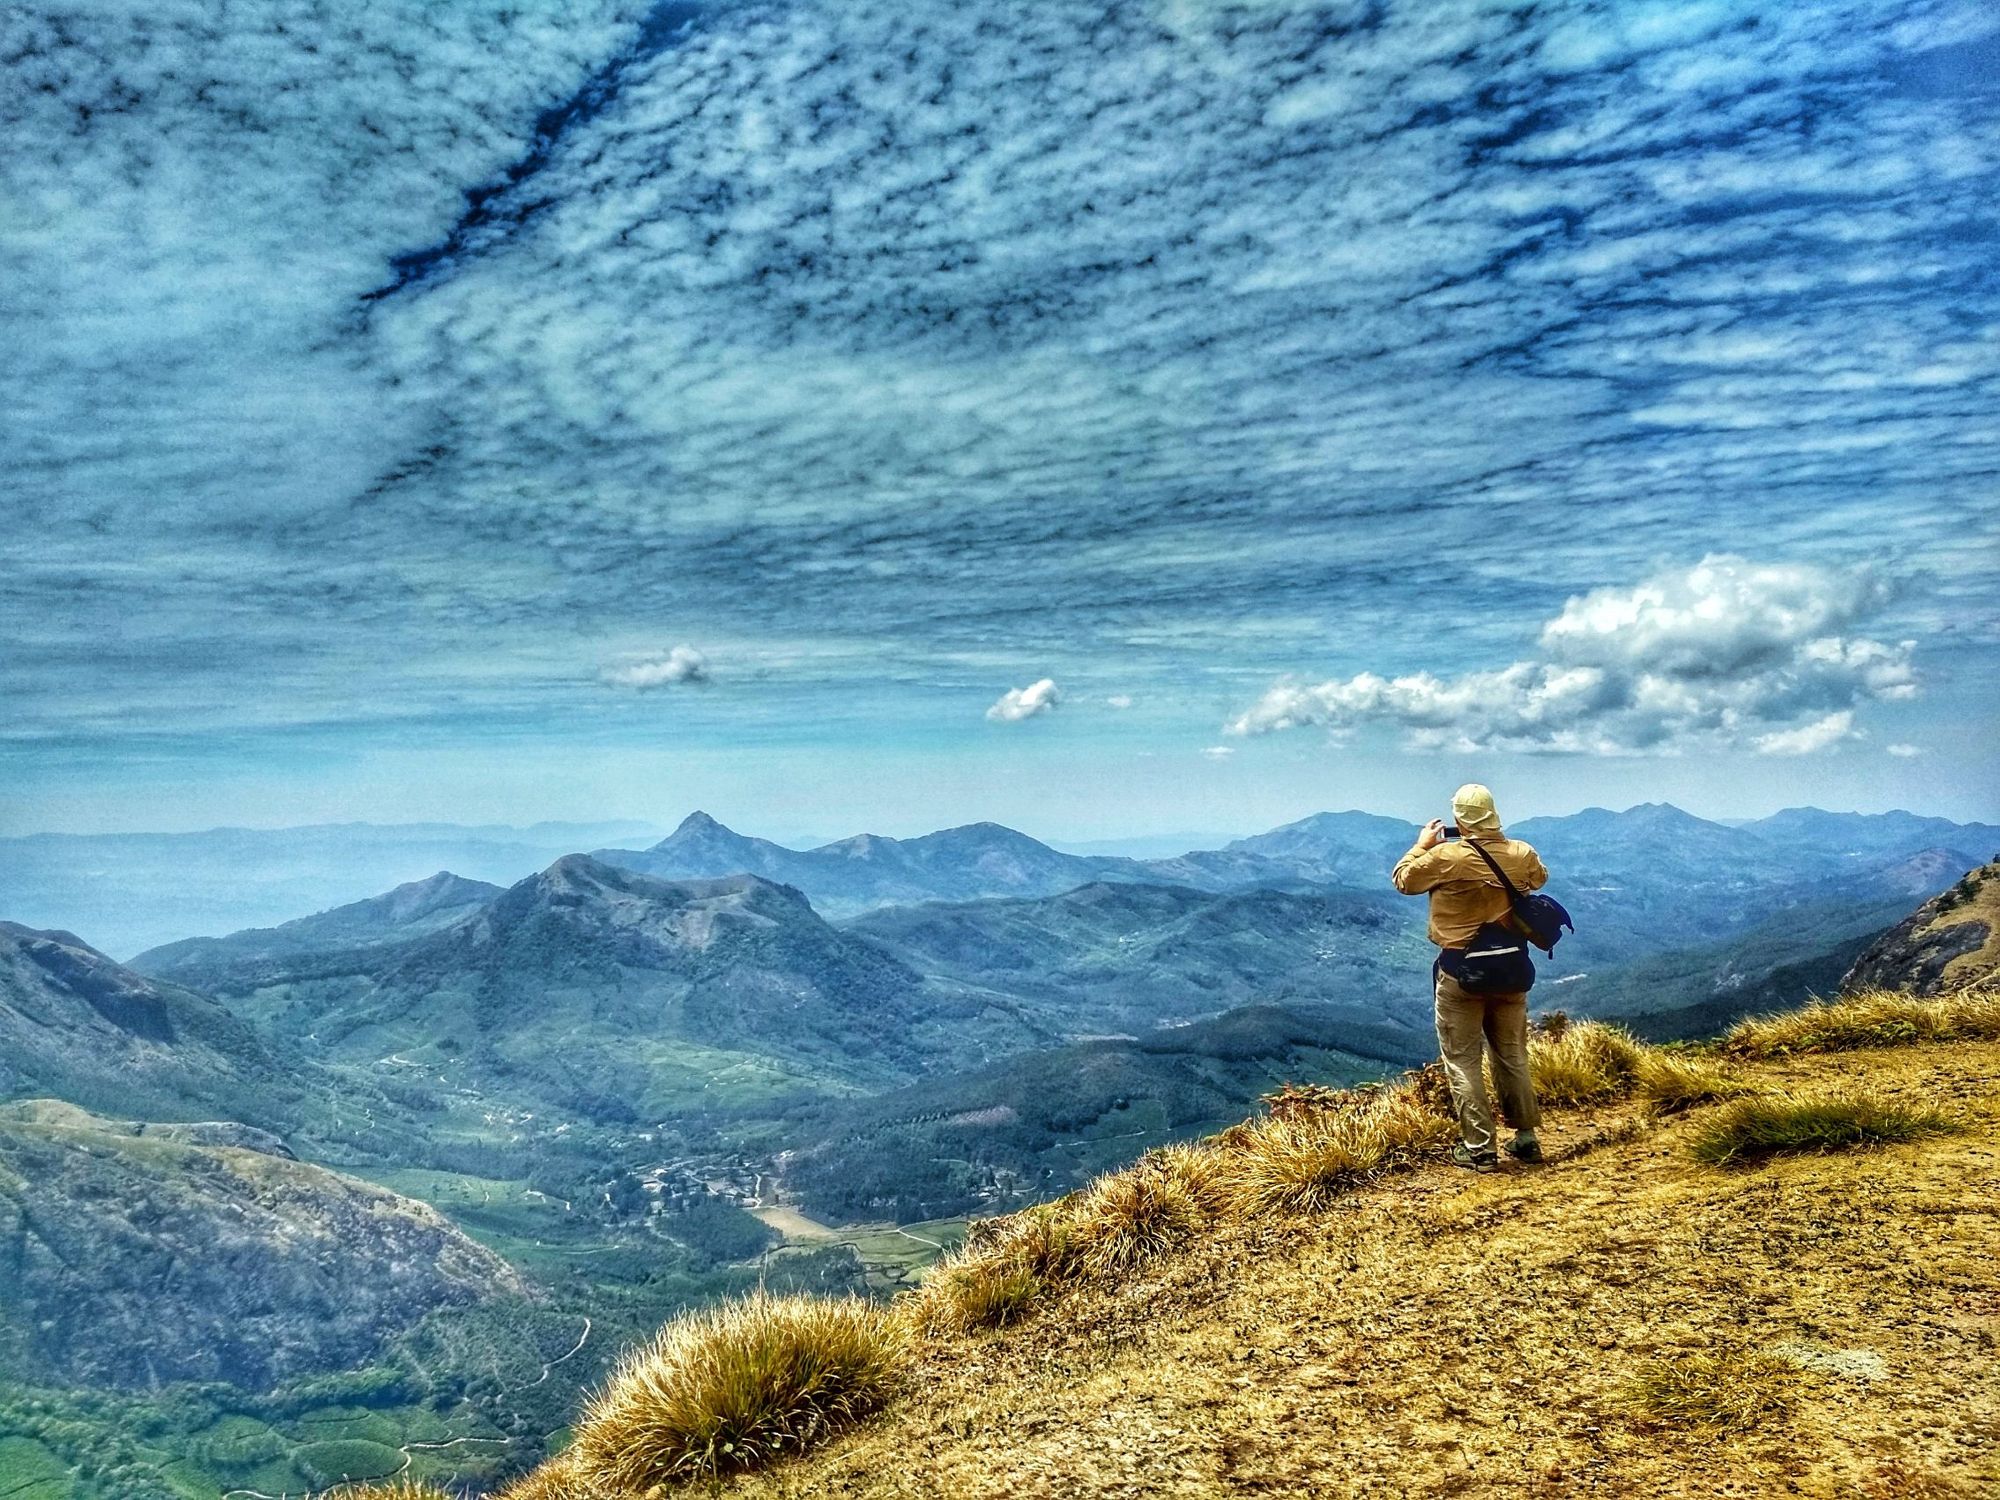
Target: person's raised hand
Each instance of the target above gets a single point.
(1433, 834)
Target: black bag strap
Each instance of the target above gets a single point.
(1513, 896)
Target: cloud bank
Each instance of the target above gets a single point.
(1728, 653)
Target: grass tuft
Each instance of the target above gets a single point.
(1872, 1018)
(1301, 1160)
(1582, 1063)
(558, 1479)
(1729, 1391)
(1103, 1231)
(1131, 1216)
(736, 1386)
(1788, 1124)
(1200, 1169)
(1674, 1081)
(990, 1296)
(996, 1275)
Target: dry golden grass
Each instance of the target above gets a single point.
(1455, 1333)
(1106, 1230)
(715, 1393)
(1873, 1018)
(1003, 1266)
(1131, 1216)
(736, 1386)
(1302, 1160)
(558, 1479)
(1583, 1063)
(1793, 1124)
(1674, 1081)
(1201, 1170)
(979, 1295)
(1733, 1390)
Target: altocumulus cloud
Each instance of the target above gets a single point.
(1728, 652)
(836, 326)
(660, 669)
(1024, 703)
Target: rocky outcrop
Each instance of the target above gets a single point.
(131, 1255)
(1951, 942)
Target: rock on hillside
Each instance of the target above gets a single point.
(77, 1026)
(1951, 942)
(133, 1258)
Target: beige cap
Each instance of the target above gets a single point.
(1472, 806)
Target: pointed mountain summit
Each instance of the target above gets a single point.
(617, 912)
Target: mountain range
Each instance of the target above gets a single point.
(634, 980)
(1656, 845)
(874, 1028)
(611, 993)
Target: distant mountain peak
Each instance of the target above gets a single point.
(698, 831)
(579, 872)
(1661, 813)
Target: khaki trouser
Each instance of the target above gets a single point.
(1501, 1022)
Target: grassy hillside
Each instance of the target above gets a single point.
(1314, 1303)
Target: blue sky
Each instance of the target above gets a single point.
(1099, 418)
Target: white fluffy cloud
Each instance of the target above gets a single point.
(1728, 652)
(1024, 703)
(682, 664)
(1819, 734)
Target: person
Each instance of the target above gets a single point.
(1464, 895)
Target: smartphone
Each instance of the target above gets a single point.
(1451, 830)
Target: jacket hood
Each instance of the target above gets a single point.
(1472, 805)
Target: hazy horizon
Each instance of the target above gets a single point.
(1162, 840)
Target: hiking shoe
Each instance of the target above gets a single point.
(1463, 1155)
(1526, 1147)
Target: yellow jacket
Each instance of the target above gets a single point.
(1464, 893)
